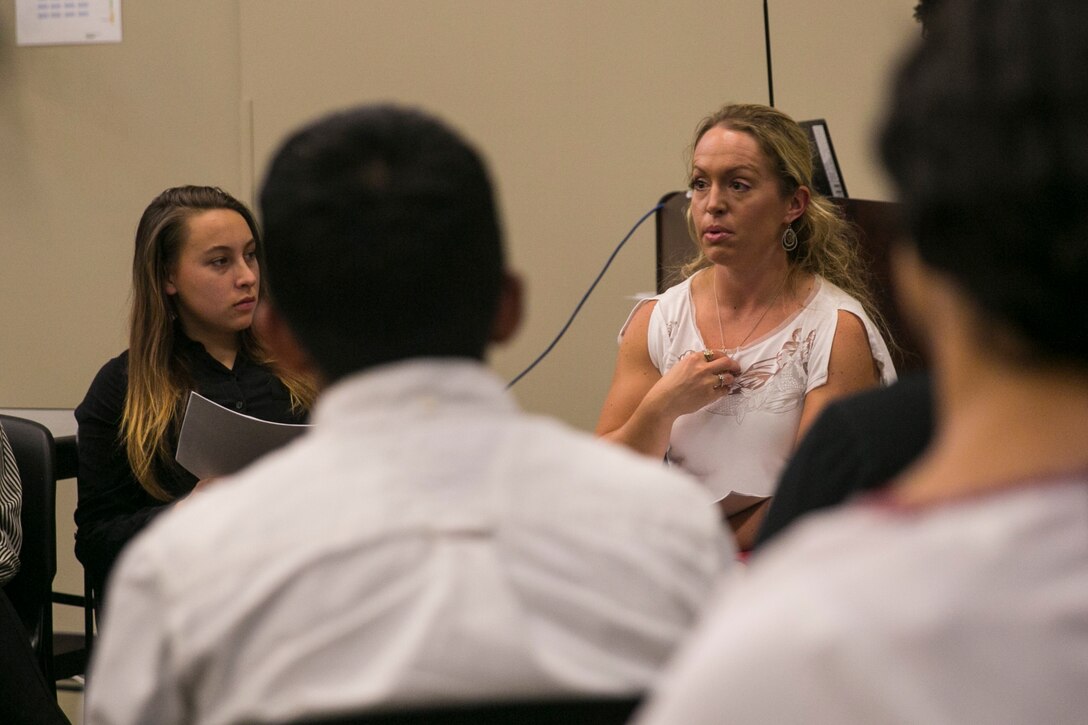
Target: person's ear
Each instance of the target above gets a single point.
(920, 295)
(272, 329)
(909, 283)
(798, 203)
(508, 315)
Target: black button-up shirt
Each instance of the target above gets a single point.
(113, 506)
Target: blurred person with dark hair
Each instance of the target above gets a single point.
(956, 595)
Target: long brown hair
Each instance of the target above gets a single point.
(827, 243)
(157, 379)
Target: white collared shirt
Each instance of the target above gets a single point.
(425, 541)
(973, 611)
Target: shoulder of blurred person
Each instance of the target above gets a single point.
(878, 613)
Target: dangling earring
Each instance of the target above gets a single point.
(789, 239)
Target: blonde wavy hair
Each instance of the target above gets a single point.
(158, 381)
(827, 243)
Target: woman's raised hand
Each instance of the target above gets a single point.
(697, 379)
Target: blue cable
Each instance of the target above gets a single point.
(585, 297)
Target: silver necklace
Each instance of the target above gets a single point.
(718, 309)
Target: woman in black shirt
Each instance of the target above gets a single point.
(196, 285)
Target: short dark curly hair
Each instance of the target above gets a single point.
(987, 141)
(382, 239)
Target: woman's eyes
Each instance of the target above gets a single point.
(225, 261)
(704, 185)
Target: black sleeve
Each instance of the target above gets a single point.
(112, 506)
(822, 472)
(857, 444)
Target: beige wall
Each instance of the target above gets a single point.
(833, 60)
(88, 134)
(584, 110)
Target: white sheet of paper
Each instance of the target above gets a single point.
(735, 502)
(67, 22)
(217, 441)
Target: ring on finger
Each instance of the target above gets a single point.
(721, 381)
(708, 355)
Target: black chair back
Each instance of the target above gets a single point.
(587, 710)
(31, 590)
